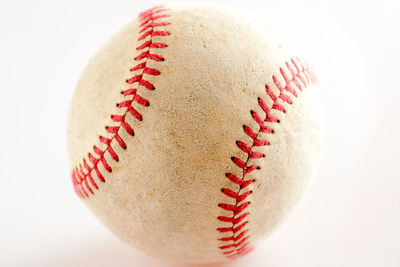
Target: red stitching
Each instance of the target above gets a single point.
(149, 56)
(82, 178)
(296, 77)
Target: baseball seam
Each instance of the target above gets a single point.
(298, 75)
(82, 175)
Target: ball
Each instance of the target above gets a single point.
(194, 132)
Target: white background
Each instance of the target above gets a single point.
(349, 216)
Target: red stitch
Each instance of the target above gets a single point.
(158, 45)
(266, 129)
(238, 242)
(306, 71)
(226, 219)
(231, 238)
(151, 45)
(123, 104)
(89, 176)
(154, 24)
(146, 20)
(135, 114)
(129, 92)
(260, 142)
(249, 169)
(229, 193)
(83, 190)
(264, 107)
(270, 93)
(95, 161)
(295, 78)
(105, 140)
(80, 172)
(134, 79)
(240, 227)
(120, 141)
(112, 153)
(144, 35)
(238, 162)
(284, 75)
(237, 252)
(299, 70)
(140, 100)
(241, 242)
(114, 130)
(279, 107)
(121, 119)
(233, 208)
(151, 71)
(153, 33)
(151, 12)
(241, 218)
(76, 184)
(86, 166)
(98, 151)
(160, 33)
(244, 147)
(88, 187)
(249, 132)
(303, 68)
(149, 56)
(247, 149)
(147, 84)
(105, 164)
(290, 88)
(228, 246)
(284, 97)
(257, 118)
(235, 195)
(225, 229)
(234, 178)
(288, 82)
(139, 66)
(144, 45)
(255, 155)
(232, 219)
(80, 181)
(137, 98)
(229, 252)
(228, 207)
(82, 177)
(246, 183)
(242, 248)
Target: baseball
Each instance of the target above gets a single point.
(194, 132)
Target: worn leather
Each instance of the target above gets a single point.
(162, 196)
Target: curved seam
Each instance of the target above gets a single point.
(82, 174)
(237, 243)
